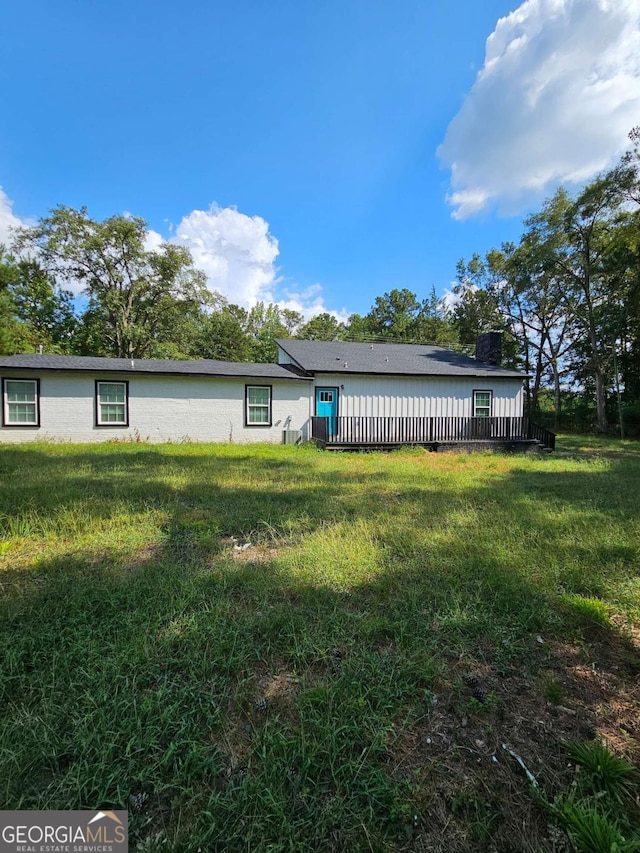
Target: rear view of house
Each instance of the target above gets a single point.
(337, 393)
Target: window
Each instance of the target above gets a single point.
(21, 402)
(326, 397)
(258, 405)
(111, 404)
(482, 404)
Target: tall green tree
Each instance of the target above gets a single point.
(477, 304)
(291, 320)
(624, 265)
(577, 236)
(531, 301)
(46, 309)
(571, 285)
(432, 324)
(357, 328)
(569, 294)
(223, 335)
(394, 315)
(136, 296)
(402, 317)
(322, 327)
(34, 312)
(265, 323)
(10, 331)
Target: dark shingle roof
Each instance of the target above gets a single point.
(204, 367)
(389, 359)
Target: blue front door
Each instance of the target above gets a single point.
(327, 407)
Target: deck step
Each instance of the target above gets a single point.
(469, 446)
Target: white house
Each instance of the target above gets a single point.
(74, 398)
(403, 380)
(338, 392)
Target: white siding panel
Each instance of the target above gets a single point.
(161, 408)
(407, 396)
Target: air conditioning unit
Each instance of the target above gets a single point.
(291, 436)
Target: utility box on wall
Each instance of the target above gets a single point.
(291, 436)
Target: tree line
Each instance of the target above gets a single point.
(569, 294)
(566, 296)
(142, 303)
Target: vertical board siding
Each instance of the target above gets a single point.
(408, 396)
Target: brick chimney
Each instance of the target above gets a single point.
(489, 348)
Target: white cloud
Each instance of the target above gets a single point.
(449, 298)
(238, 255)
(153, 241)
(553, 103)
(310, 303)
(235, 251)
(8, 220)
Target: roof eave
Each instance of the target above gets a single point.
(141, 372)
(460, 375)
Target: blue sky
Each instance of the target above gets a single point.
(348, 147)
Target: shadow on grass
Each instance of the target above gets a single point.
(234, 494)
(323, 695)
(591, 445)
(244, 490)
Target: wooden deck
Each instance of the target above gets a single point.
(341, 433)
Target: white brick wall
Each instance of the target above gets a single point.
(161, 408)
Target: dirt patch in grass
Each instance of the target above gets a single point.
(281, 688)
(468, 788)
(254, 554)
(247, 552)
(604, 677)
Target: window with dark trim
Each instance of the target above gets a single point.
(482, 401)
(112, 403)
(258, 405)
(21, 402)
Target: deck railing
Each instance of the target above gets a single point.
(416, 430)
(541, 434)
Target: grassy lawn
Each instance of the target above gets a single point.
(279, 649)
